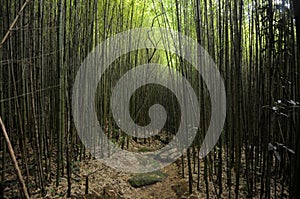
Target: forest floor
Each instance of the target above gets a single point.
(108, 183)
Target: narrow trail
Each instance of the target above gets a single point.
(109, 183)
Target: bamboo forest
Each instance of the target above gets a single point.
(132, 99)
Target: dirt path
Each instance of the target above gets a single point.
(114, 184)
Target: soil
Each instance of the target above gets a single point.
(109, 183)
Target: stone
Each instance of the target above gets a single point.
(144, 179)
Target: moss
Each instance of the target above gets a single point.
(144, 179)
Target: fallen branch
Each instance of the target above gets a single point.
(14, 160)
(13, 24)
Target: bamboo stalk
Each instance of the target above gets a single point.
(15, 163)
(13, 24)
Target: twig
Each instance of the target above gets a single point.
(96, 193)
(15, 163)
(13, 24)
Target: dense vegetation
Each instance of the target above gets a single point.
(254, 43)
